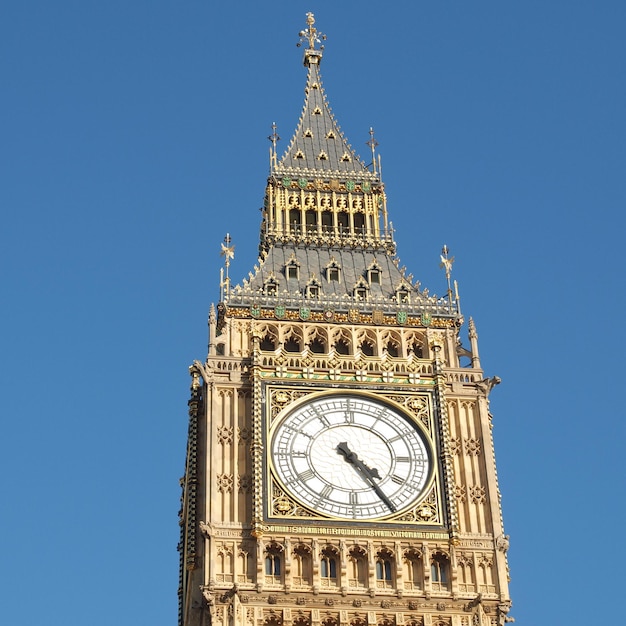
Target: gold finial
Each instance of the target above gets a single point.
(372, 143)
(446, 262)
(228, 252)
(311, 35)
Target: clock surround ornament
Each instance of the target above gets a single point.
(350, 456)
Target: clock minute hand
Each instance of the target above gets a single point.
(368, 473)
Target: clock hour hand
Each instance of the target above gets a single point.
(368, 473)
(352, 458)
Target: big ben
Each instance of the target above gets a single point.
(340, 468)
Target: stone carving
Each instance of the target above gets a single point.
(487, 384)
(225, 435)
(502, 543)
(225, 483)
(455, 445)
(245, 483)
(460, 493)
(243, 434)
(472, 447)
(477, 494)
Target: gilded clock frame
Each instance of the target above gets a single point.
(280, 398)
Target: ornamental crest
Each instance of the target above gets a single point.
(286, 181)
(304, 313)
(366, 186)
(426, 319)
(334, 184)
(255, 310)
(350, 185)
(353, 315)
(279, 311)
(302, 183)
(377, 316)
(329, 314)
(401, 317)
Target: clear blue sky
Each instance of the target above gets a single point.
(133, 137)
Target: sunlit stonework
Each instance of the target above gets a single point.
(340, 467)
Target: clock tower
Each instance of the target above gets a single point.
(340, 468)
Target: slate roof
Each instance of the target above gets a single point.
(318, 143)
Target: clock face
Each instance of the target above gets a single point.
(351, 457)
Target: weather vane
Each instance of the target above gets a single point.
(228, 252)
(311, 34)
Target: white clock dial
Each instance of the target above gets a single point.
(350, 456)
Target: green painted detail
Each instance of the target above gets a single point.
(366, 186)
(255, 310)
(350, 185)
(286, 181)
(401, 317)
(279, 311)
(304, 313)
(426, 319)
(302, 183)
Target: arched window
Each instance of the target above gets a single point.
(466, 574)
(342, 347)
(292, 344)
(413, 570)
(292, 341)
(317, 346)
(359, 223)
(328, 567)
(273, 564)
(268, 343)
(393, 349)
(439, 572)
(294, 219)
(245, 574)
(367, 348)
(311, 219)
(384, 569)
(418, 350)
(357, 567)
(301, 571)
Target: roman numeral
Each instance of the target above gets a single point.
(306, 475)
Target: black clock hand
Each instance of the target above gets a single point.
(368, 473)
(352, 458)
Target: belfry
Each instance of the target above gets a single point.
(340, 468)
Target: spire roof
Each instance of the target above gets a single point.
(326, 242)
(318, 143)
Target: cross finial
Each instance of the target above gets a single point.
(446, 263)
(311, 35)
(274, 138)
(372, 143)
(228, 252)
